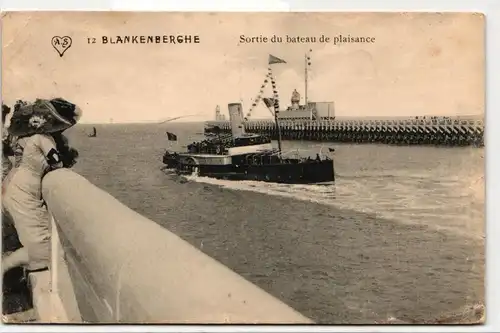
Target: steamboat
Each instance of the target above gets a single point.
(242, 156)
(245, 156)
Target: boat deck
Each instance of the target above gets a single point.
(203, 155)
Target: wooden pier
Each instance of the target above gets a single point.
(428, 130)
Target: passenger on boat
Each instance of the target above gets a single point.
(39, 126)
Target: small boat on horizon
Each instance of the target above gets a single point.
(93, 134)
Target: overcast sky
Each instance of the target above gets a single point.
(419, 64)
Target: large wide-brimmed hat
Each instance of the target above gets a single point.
(44, 116)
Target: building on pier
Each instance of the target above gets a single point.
(311, 111)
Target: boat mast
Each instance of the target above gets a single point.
(275, 60)
(307, 63)
(305, 75)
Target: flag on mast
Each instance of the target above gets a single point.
(268, 101)
(171, 136)
(272, 103)
(275, 60)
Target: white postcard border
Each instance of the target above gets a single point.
(492, 10)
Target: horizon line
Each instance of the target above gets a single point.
(136, 122)
(479, 115)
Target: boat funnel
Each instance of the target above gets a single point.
(236, 119)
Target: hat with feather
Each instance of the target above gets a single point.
(44, 116)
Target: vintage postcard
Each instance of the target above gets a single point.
(269, 168)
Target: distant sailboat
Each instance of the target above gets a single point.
(93, 134)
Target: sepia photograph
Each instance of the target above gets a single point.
(243, 168)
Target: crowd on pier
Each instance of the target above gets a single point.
(33, 144)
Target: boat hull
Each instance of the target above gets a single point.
(305, 172)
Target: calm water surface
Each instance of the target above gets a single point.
(400, 234)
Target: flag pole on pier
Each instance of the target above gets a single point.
(275, 60)
(307, 63)
(305, 79)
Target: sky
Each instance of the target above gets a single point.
(419, 63)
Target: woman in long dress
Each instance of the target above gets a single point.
(39, 127)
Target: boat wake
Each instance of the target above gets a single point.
(321, 193)
(402, 201)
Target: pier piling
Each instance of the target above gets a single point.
(438, 131)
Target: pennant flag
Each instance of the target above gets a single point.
(275, 60)
(268, 101)
(171, 136)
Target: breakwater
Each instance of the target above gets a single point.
(112, 265)
(445, 131)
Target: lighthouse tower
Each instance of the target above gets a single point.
(295, 99)
(218, 115)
